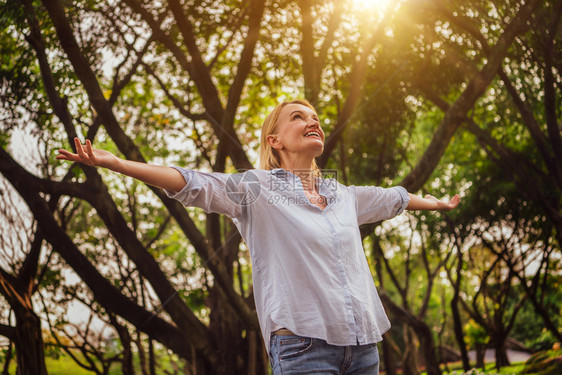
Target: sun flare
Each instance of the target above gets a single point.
(370, 4)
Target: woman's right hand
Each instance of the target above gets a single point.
(155, 175)
(87, 155)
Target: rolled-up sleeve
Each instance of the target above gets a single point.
(208, 191)
(375, 203)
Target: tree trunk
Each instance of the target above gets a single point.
(421, 329)
(428, 348)
(387, 355)
(26, 335)
(151, 357)
(457, 322)
(8, 358)
(126, 341)
(501, 352)
(30, 354)
(226, 330)
(459, 336)
(410, 357)
(480, 354)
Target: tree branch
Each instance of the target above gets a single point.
(103, 290)
(8, 331)
(553, 162)
(458, 110)
(129, 149)
(512, 162)
(243, 68)
(356, 85)
(549, 90)
(175, 101)
(35, 40)
(313, 66)
(29, 267)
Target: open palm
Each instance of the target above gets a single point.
(445, 206)
(88, 155)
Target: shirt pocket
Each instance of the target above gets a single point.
(346, 218)
(294, 346)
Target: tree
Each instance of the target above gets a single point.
(413, 276)
(19, 279)
(189, 83)
(536, 50)
(474, 85)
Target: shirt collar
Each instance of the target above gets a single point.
(278, 172)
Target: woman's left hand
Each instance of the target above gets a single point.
(444, 206)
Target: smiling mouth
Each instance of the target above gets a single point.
(313, 133)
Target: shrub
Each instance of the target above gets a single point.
(546, 362)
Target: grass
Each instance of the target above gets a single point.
(64, 365)
(489, 369)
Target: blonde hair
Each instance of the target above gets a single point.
(269, 157)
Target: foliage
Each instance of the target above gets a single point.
(475, 334)
(529, 328)
(489, 370)
(546, 362)
(64, 365)
(188, 83)
(58, 366)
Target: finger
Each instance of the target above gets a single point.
(61, 157)
(80, 149)
(66, 155)
(90, 152)
(454, 201)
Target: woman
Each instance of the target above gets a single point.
(316, 301)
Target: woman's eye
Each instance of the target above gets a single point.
(297, 117)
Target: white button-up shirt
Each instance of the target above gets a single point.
(310, 273)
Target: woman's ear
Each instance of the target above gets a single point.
(274, 142)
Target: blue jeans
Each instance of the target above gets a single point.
(296, 355)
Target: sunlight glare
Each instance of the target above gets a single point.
(370, 4)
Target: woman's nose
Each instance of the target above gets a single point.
(313, 122)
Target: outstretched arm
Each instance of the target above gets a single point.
(162, 177)
(429, 202)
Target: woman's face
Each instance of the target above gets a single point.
(298, 131)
